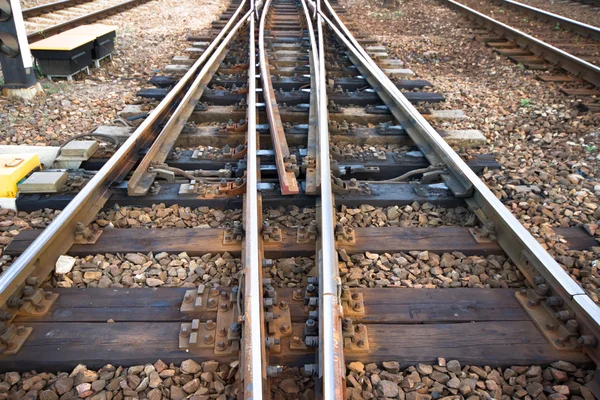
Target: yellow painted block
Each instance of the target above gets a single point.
(96, 30)
(13, 168)
(62, 42)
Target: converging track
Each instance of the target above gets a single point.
(281, 105)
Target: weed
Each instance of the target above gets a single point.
(53, 88)
(590, 147)
(557, 26)
(520, 66)
(525, 102)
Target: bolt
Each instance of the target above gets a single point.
(284, 328)
(550, 327)
(355, 296)
(361, 343)
(587, 340)
(554, 301)
(235, 327)
(223, 332)
(210, 325)
(28, 291)
(283, 305)
(310, 288)
(212, 303)
(224, 295)
(185, 331)
(209, 339)
(297, 294)
(224, 307)
(296, 341)
(541, 289)
(357, 306)
(188, 298)
(572, 326)
(345, 292)
(21, 330)
(213, 292)
(221, 345)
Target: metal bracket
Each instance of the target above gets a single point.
(13, 338)
(353, 304)
(37, 302)
(307, 234)
(280, 325)
(200, 335)
(201, 299)
(344, 235)
(223, 335)
(86, 235)
(233, 235)
(271, 234)
(340, 186)
(214, 190)
(356, 338)
(485, 234)
(227, 341)
(560, 336)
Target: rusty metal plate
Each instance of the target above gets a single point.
(281, 326)
(544, 317)
(197, 335)
(38, 304)
(201, 299)
(14, 338)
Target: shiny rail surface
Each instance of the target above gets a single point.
(543, 15)
(554, 55)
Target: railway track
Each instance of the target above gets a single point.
(50, 19)
(325, 121)
(538, 39)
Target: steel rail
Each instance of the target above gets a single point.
(312, 177)
(332, 362)
(50, 7)
(571, 24)
(554, 55)
(40, 257)
(515, 240)
(331, 352)
(84, 19)
(253, 364)
(140, 182)
(287, 179)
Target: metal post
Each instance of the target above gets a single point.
(15, 57)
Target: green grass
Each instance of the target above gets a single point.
(53, 88)
(525, 102)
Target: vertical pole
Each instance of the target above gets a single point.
(15, 58)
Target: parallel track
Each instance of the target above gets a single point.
(75, 22)
(324, 324)
(553, 54)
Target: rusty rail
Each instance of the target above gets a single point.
(285, 166)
